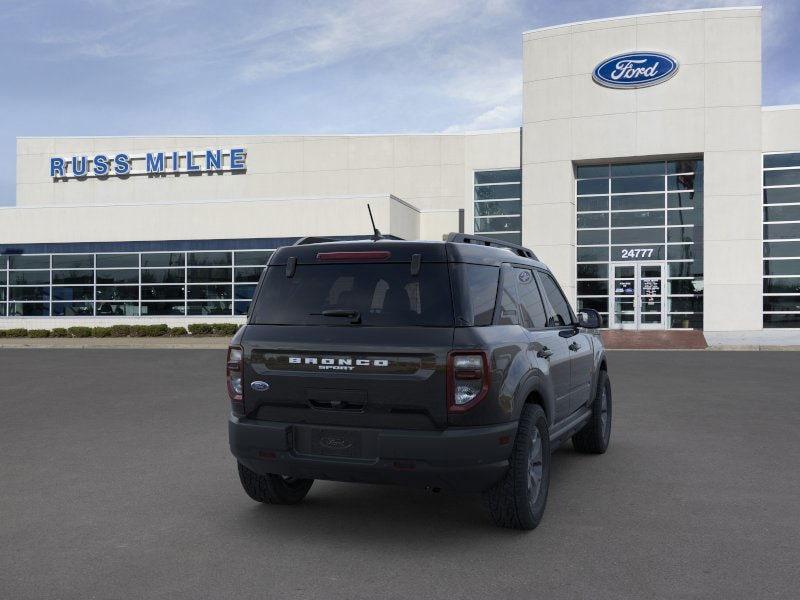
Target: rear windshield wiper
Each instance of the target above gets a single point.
(353, 315)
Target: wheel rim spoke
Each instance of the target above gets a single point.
(535, 466)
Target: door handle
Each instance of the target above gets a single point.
(545, 352)
(574, 346)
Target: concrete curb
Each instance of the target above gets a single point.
(199, 343)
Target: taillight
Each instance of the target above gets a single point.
(233, 372)
(468, 379)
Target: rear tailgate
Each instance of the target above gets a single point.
(354, 376)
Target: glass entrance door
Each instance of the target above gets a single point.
(637, 295)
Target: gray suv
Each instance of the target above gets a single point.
(452, 365)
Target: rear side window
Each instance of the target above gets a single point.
(382, 295)
(475, 290)
(562, 313)
(530, 300)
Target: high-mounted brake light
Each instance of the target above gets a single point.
(368, 255)
(233, 372)
(468, 379)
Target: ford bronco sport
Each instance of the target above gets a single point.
(452, 365)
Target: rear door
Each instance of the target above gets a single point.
(346, 343)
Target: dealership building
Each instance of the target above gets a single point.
(646, 173)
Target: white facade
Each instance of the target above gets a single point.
(708, 114)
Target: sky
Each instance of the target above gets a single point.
(171, 67)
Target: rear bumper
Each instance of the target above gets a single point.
(468, 459)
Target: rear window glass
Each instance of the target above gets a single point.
(382, 294)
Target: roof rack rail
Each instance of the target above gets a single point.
(466, 238)
(311, 239)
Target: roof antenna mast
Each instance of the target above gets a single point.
(376, 234)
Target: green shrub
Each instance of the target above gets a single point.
(16, 332)
(201, 329)
(138, 330)
(156, 330)
(227, 329)
(2, 333)
(39, 333)
(80, 332)
(177, 331)
(101, 332)
(59, 332)
(120, 330)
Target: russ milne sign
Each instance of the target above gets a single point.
(635, 70)
(122, 164)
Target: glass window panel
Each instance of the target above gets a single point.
(117, 276)
(240, 307)
(71, 292)
(592, 254)
(250, 274)
(28, 309)
(25, 261)
(2, 277)
(29, 277)
(637, 236)
(693, 304)
(684, 199)
(788, 177)
(163, 276)
(782, 213)
(116, 261)
(3, 309)
(117, 292)
(593, 220)
(209, 259)
(598, 203)
(680, 182)
(791, 159)
(684, 166)
(163, 259)
(531, 305)
(209, 308)
(209, 275)
(73, 277)
(648, 168)
(498, 224)
(598, 304)
(586, 171)
(592, 236)
(782, 231)
(73, 261)
(782, 303)
(680, 234)
(592, 186)
(514, 238)
(29, 293)
(686, 321)
(162, 308)
(251, 257)
(774, 321)
(3, 262)
(637, 184)
(637, 219)
(782, 195)
(73, 309)
(209, 292)
(593, 288)
(2, 294)
(782, 285)
(681, 269)
(493, 192)
(506, 207)
(782, 267)
(500, 176)
(637, 202)
(782, 249)
(681, 217)
(562, 314)
(117, 309)
(592, 271)
(685, 286)
(680, 252)
(244, 292)
(162, 292)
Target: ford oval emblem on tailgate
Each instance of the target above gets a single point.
(260, 386)
(335, 443)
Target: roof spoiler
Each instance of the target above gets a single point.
(465, 238)
(312, 240)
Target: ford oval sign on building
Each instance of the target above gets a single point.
(635, 70)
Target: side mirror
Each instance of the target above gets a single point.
(589, 318)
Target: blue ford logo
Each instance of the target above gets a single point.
(635, 70)
(260, 386)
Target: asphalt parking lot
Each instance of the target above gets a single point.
(116, 482)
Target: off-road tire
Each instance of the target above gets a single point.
(273, 489)
(596, 434)
(512, 502)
